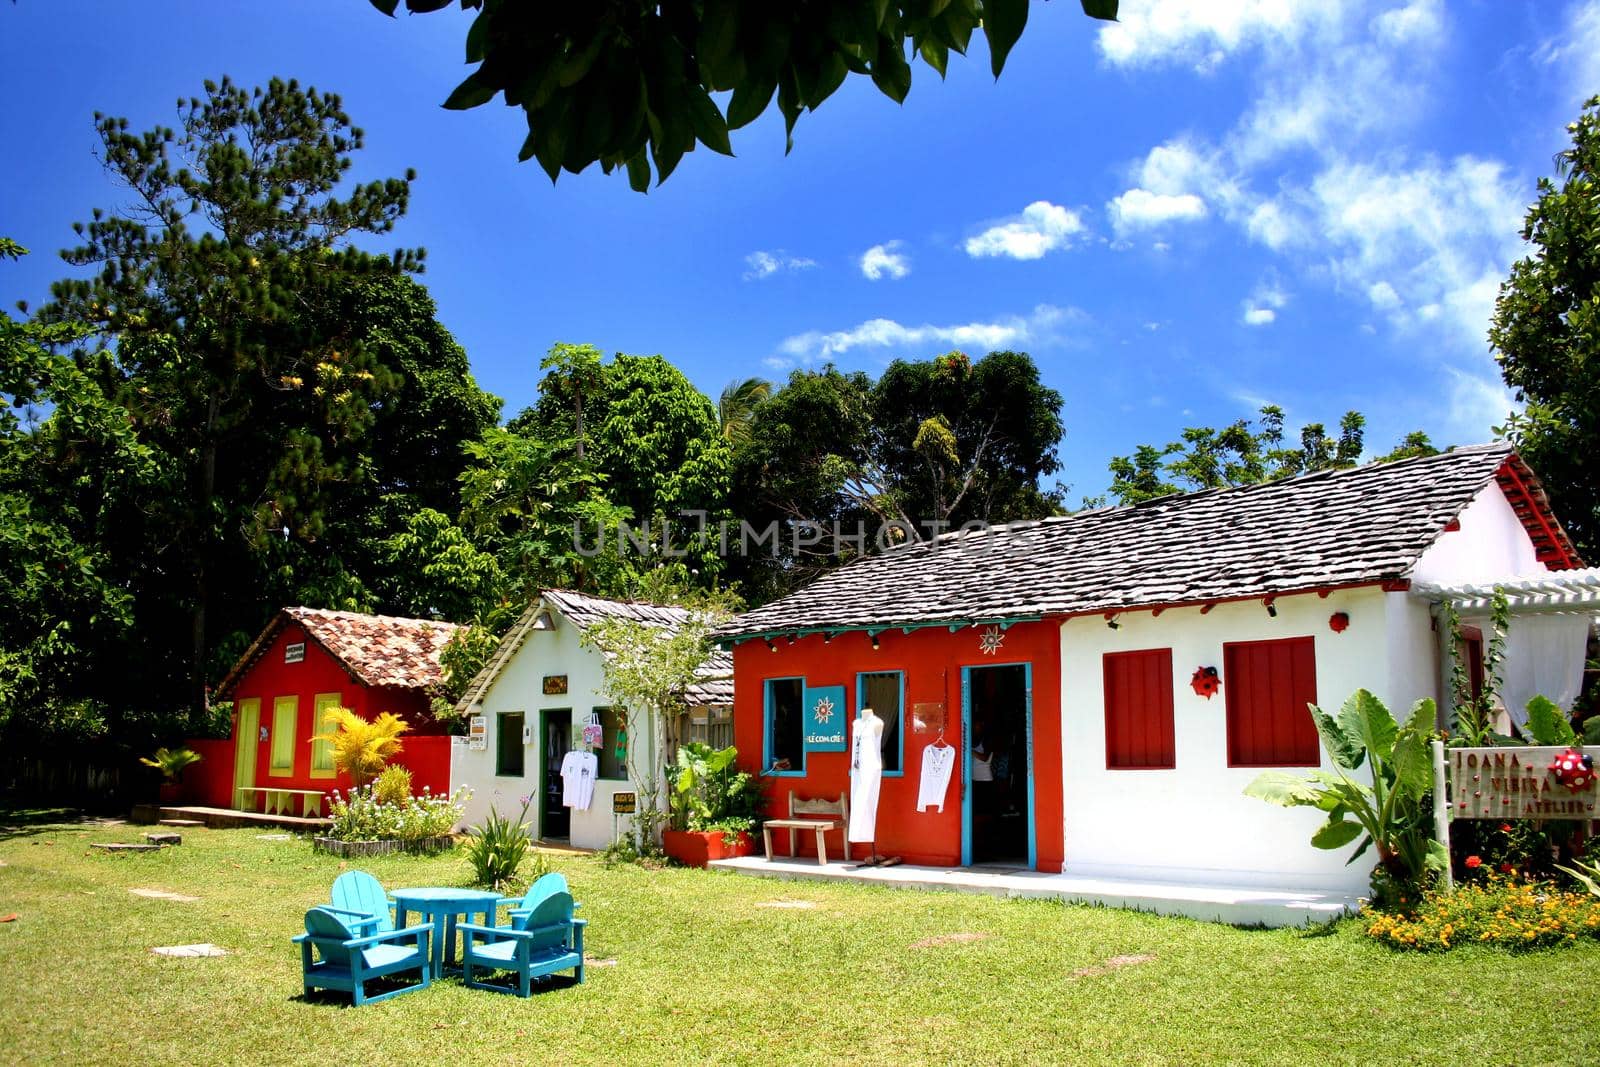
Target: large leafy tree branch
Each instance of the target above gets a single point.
(628, 83)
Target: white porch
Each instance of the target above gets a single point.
(1235, 904)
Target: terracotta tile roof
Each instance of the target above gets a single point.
(377, 650)
(1368, 524)
(585, 611)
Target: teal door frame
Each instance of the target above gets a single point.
(966, 758)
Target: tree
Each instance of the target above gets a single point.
(648, 669)
(628, 83)
(1546, 334)
(736, 408)
(1245, 453)
(215, 310)
(361, 747)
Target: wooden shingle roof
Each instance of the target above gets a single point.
(1332, 528)
(376, 650)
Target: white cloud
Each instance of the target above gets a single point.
(1477, 403)
(761, 265)
(814, 346)
(1141, 209)
(1262, 306)
(1203, 35)
(1042, 227)
(884, 261)
(1576, 48)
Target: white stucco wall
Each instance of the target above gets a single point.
(520, 688)
(1490, 546)
(1193, 823)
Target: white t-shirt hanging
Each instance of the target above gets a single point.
(937, 763)
(578, 770)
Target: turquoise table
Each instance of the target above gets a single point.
(443, 906)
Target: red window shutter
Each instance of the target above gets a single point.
(1138, 698)
(1268, 685)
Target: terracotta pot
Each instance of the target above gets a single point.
(696, 848)
(171, 792)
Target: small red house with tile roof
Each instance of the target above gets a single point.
(306, 661)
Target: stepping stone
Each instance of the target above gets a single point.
(117, 847)
(180, 822)
(274, 837)
(164, 839)
(162, 894)
(188, 951)
(590, 961)
(797, 905)
(1115, 963)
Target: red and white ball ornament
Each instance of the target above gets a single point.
(1573, 769)
(1206, 682)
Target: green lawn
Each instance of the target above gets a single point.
(704, 971)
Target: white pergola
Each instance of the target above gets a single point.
(1574, 592)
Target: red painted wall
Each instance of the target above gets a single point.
(932, 660)
(425, 751)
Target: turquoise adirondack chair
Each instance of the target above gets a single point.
(550, 941)
(542, 887)
(348, 962)
(359, 900)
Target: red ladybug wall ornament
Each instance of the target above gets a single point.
(1206, 682)
(1573, 769)
(1339, 622)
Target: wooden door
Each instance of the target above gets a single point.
(246, 741)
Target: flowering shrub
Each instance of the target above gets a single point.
(360, 816)
(1497, 910)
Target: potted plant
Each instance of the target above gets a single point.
(171, 763)
(714, 806)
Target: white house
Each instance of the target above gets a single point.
(528, 706)
(1080, 647)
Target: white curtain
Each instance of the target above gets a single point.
(1544, 657)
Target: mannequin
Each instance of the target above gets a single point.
(866, 774)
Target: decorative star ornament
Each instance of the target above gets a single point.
(990, 639)
(824, 711)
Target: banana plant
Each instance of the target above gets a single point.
(1389, 813)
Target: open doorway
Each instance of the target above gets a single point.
(999, 757)
(555, 820)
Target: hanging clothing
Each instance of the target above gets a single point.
(578, 770)
(982, 769)
(866, 775)
(937, 763)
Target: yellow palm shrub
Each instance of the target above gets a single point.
(361, 747)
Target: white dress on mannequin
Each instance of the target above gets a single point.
(866, 775)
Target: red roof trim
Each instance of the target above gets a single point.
(1388, 585)
(1528, 500)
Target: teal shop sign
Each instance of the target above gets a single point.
(826, 719)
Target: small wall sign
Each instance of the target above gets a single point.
(825, 719)
(555, 685)
(295, 653)
(478, 733)
(624, 803)
(1514, 782)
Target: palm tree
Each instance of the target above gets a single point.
(737, 407)
(361, 747)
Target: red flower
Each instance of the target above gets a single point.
(1506, 868)
(1474, 861)
(1505, 828)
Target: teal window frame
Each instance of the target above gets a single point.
(900, 734)
(766, 727)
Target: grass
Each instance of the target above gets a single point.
(703, 971)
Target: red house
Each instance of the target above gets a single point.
(306, 661)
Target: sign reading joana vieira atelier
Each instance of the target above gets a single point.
(826, 718)
(1509, 782)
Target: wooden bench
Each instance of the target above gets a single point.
(276, 801)
(811, 816)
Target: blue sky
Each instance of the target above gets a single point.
(1203, 208)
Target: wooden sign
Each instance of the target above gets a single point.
(928, 718)
(295, 653)
(1512, 782)
(624, 803)
(555, 685)
(478, 733)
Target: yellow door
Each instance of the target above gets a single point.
(246, 740)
